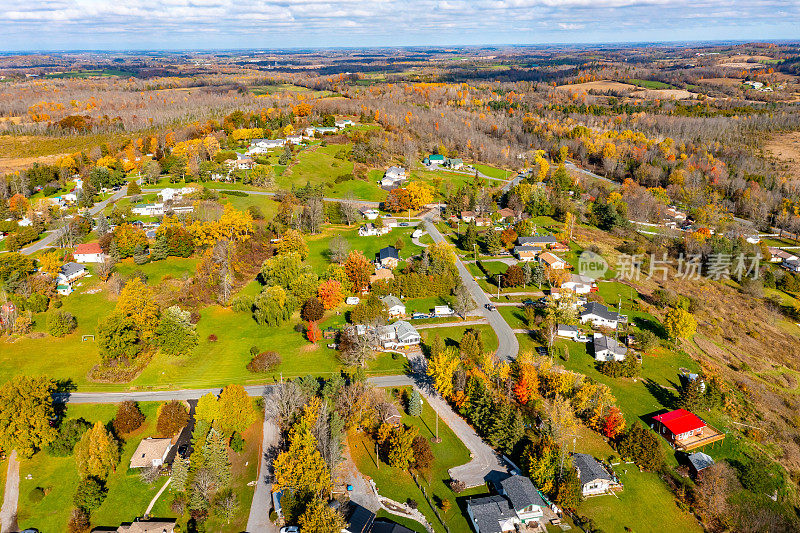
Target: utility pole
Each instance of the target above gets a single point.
(377, 459)
(499, 278)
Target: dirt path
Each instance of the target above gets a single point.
(8, 515)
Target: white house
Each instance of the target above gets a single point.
(579, 284)
(343, 123)
(89, 252)
(370, 214)
(525, 499)
(154, 209)
(24, 222)
(352, 300)
(594, 477)
(260, 146)
(393, 177)
(393, 305)
(169, 193)
(371, 230)
(151, 452)
(401, 334)
(608, 348)
(600, 316)
(568, 332)
(295, 139)
(69, 272)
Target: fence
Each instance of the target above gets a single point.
(427, 498)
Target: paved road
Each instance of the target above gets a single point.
(362, 203)
(258, 521)
(513, 183)
(507, 342)
(8, 514)
(50, 238)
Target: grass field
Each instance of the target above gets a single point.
(318, 244)
(127, 496)
(398, 484)
(451, 335)
(494, 172)
(651, 84)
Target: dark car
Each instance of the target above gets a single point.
(183, 450)
(491, 307)
(528, 303)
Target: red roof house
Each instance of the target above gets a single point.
(678, 425)
(89, 252)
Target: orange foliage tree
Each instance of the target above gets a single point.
(614, 423)
(313, 332)
(330, 293)
(358, 269)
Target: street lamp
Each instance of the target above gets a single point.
(499, 279)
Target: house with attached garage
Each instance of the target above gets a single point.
(608, 348)
(525, 499)
(151, 452)
(393, 305)
(371, 230)
(69, 272)
(600, 316)
(595, 478)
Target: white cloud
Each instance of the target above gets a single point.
(571, 26)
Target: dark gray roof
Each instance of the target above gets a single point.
(489, 511)
(537, 239)
(388, 252)
(589, 468)
(596, 308)
(70, 269)
(522, 492)
(700, 461)
(603, 343)
(563, 327)
(360, 519)
(379, 526)
(527, 248)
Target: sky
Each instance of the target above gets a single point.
(32, 25)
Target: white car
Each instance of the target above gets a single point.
(290, 529)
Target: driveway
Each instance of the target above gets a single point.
(507, 342)
(8, 514)
(258, 521)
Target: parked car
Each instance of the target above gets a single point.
(491, 307)
(403, 224)
(528, 303)
(333, 346)
(183, 450)
(418, 316)
(290, 529)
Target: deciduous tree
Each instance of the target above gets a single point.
(26, 407)
(97, 453)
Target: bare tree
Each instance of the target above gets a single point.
(283, 402)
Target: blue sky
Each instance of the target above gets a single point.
(206, 24)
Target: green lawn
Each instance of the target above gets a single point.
(318, 244)
(398, 484)
(645, 504)
(515, 316)
(494, 172)
(175, 267)
(651, 84)
(452, 335)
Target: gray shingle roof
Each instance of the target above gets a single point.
(391, 301)
(405, 331)
(700, 461)
(603, 343)
(489, 511)
(589, 468)
(596, 308)
(70, 269)
(572, 329)
(537, 239)
(388, 252)
(522, 492)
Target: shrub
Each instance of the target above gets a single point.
(242, 303)
(36, 494)
(172, 416)
(264, 362)
(37, 303)
(69, 434)
(254, 350)
(129, 418)
(457, 486)
(194, 317)
(237, 443)
(141, 259)
(235, 193)
(60, 323)
(78, 521)
(212, 338)
(90, 494)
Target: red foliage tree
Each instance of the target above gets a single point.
(521, 390)
(313, 333)
(614, 423)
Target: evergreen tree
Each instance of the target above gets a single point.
(691, 394)
(215, 451)
(470, 237)
(180, 475)
(415, 403)
(160, 248)
(527, 273)
(491, 241)
(113, 252)
(102, 225)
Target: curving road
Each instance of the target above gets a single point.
(508, 346)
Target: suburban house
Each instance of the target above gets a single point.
(169, 193)
(393, 177)
(389, 222)
(543, 241)
(454, 163)
(525, 499)
(69, 272)
(381, 274)
(580, 284)
(507, 212)
(552, 261)
(89, 252)
(370, 214)
(389, 257)
(600, 316)
(527, 253)
(594, 477)
(685, 430)
(492, 514)
(148, 526)
(242, 162)
(295, 139)
(311, 131)
(777, 255)
(568, 332)
(148, 210)
(434, 160)
(608, 348)
(393, 305)
(343, 123)
(699, 461)
(791, 264)
(467, 216)
(371, 230)
(260, 146)
(151, 452)
(401, 334)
